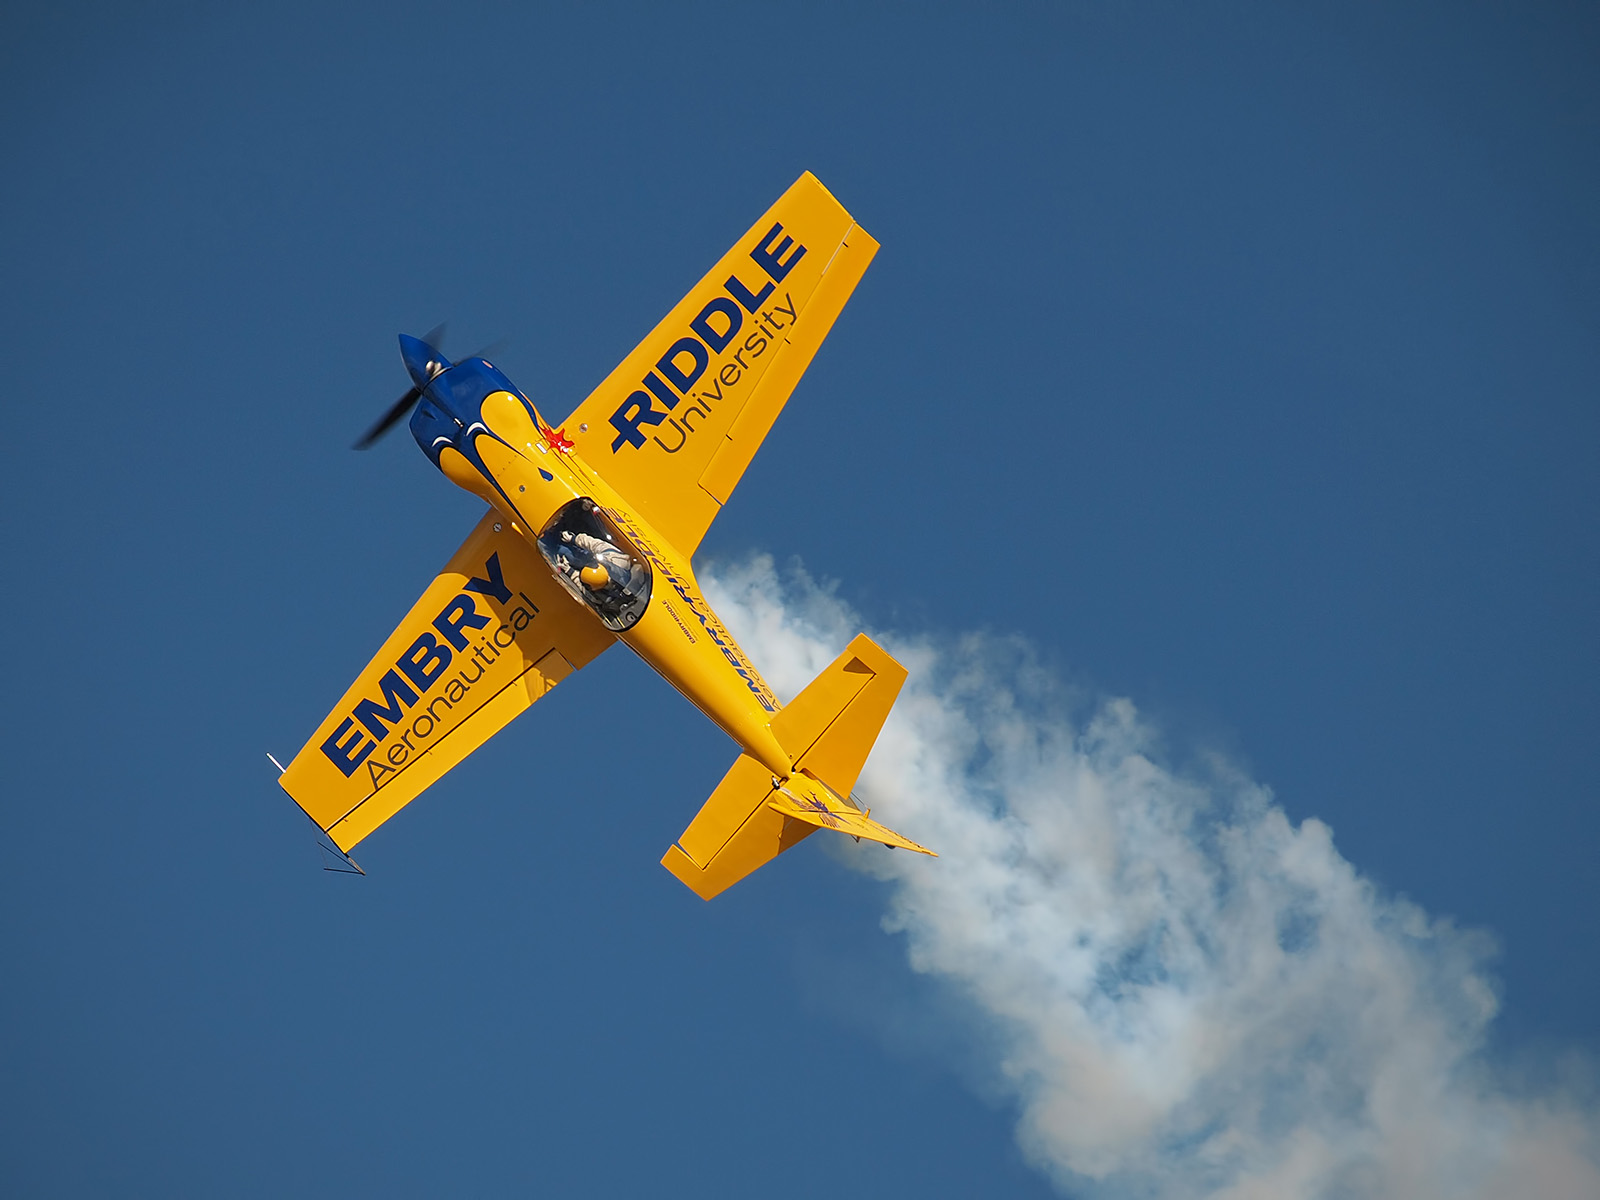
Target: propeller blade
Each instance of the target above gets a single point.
(403, 405)
(494, 348)
(387, 422)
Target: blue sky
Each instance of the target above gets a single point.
(1241, 360)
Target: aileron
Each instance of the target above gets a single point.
(589, 540)
(673, 428)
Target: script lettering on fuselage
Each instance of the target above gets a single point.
(702, 612)
(422, 679)
(709, 347)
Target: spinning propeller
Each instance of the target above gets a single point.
(426, 364)
(435, 363)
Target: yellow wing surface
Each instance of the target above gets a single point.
(489, 636)
(673, 428)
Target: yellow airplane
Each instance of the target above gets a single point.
(588, 541)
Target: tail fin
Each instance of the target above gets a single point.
(827, 731)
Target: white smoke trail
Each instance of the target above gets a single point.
(1193, 996)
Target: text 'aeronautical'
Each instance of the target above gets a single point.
(425, 664)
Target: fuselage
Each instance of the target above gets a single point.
(487, 437)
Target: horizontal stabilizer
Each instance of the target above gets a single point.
(734, 833)
(803, 799)
(828, 730)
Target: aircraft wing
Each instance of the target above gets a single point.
(492, 633)
(673, 428)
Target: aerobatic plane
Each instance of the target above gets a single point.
(588, 541)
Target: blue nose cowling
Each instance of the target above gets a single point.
(435, 429)
(422, 361)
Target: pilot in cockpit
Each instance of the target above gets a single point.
(606, 573)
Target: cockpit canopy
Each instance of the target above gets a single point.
(596, 562)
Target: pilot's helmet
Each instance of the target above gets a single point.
(594, 578)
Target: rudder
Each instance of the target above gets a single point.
(827, 730)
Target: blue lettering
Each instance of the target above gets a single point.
(702, 324)
(668, 366)
(425, 661)
(493, 587)
(742, 294)
(345, 754)
(635, 411)
(770, 260)
(398, 696)
(660, 390)
(465, 613)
